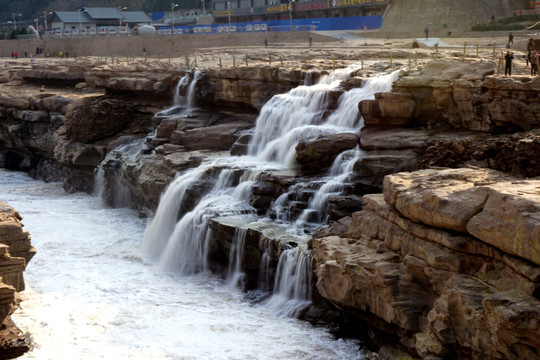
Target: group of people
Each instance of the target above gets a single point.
(533, 58)
(15, 54)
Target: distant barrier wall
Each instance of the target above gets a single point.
(163, 46)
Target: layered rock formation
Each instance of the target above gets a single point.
(452, 113)
(15, 253)
(449, 259)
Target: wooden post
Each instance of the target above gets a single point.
(361, 62)
(415, 58)
(233, 62)
(409, 61)
(246, 60)
(464, 49)
(476, 49)
(499, 66)
(494, 49)
(270, 59)
(390, 59)
(195, 62)
(281, 59)
(187, 62)
(436, 50)
(220, 63)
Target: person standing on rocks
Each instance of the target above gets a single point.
(510, 39)
(535, 59)
(530, 47)
(508, 68)
(426, 30)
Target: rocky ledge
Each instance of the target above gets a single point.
(15, 252)
(448, 260)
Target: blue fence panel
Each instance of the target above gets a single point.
(321, 24)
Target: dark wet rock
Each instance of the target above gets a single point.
(317, 154)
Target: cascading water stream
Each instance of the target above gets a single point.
(180, 237)
(292, 284)
(185, 104)
(115, 192)
(179, 100)
(290, 117)
(236, 256)
(190, 98)
(182, 244)
(347, 114)
(338, 175)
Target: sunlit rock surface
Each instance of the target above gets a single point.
(15, 252)
(449, 256)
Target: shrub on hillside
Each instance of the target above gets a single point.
(498, 27)
(518, 22)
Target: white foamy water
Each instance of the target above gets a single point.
(180, 240)
(90, 295)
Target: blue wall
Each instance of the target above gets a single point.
(340, 23)
(321, 24)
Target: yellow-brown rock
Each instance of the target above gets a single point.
(15, 252)
(446, 255)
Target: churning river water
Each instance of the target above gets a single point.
(91, 294)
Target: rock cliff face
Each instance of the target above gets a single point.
(452, 113)
(450, 258)
(15, 253)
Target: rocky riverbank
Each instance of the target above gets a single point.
(445, 261)
(15, 252)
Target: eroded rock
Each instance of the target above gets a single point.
(454, 288)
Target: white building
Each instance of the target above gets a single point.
(96, 21)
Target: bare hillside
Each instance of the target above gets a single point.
(442, 16)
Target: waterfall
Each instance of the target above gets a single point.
(183, 104)
(190, 97)
(292, 284)
(182, 245)
(159, 230)
(179, 236)
(179, 100)
(108, 185)
(265, 276)
(287, 118)
(338, 174)
(299, 114)
(236, 256)
(347, 114)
